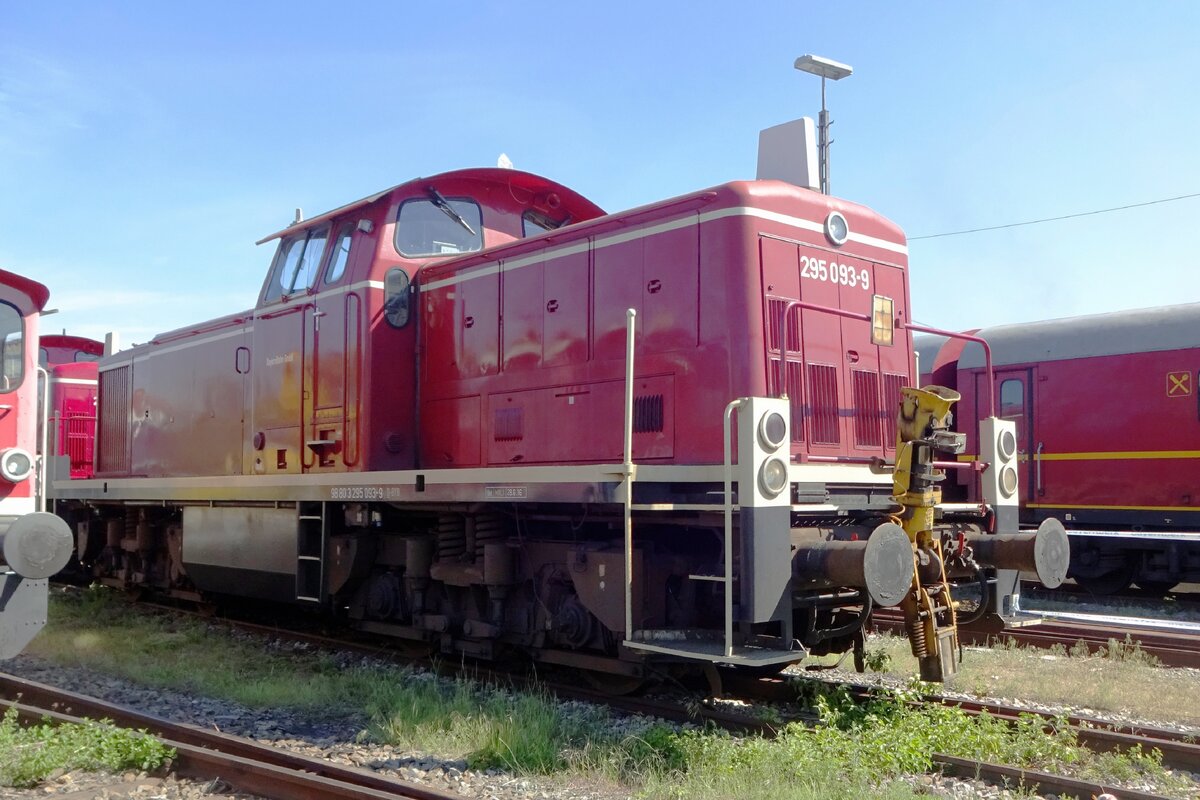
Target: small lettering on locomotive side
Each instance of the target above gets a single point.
(506, 492)
(356, 493)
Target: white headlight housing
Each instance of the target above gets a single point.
(15, 464)
(773, 477)
(837, 230)
(772, 430)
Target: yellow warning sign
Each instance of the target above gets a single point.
(1179, 384)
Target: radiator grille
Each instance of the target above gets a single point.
(113, 431)
(823, 396)
(776, 310)
(648, 413)
(866, 409)
(509, 425)
(78, 433)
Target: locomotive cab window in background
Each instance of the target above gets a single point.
(1012, 399)
(296, 264)
(395, 302)
(438, 227)
(882, 320)
(340, 255)
(12, 340)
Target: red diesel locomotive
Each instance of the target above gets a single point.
(474, 412)
(35, 544)
(1108, 424)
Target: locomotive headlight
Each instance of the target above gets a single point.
(773, 477)
(15, 464)
(772, 430)
(837, 230)
(1008, 480)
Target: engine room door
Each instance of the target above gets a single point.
(1014, 401)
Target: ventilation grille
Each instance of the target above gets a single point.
(823, 395)
(648, 413)
(776, 310)
(113, 433)
(866, 409)
(509, 424)
(78, 433)
(892, 384)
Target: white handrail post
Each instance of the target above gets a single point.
(44, 411)
(728, 441)
(630, 324)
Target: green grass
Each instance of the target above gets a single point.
(858, 751)
(29, 754)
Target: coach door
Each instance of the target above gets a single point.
(1014, 401)
(336, 323)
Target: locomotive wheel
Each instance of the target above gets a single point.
(1156, 588)
(1118, 580)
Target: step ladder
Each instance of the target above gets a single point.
(310, 551)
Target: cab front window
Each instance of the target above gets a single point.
(12, 348)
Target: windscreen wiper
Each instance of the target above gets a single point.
(436, 197)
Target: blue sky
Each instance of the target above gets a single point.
(145, 146)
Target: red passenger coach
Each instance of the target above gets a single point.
(476, 412)
(1108, 421)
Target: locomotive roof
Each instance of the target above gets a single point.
(514, 178)
(35, 291)
(1117, 333)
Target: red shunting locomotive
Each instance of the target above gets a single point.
(474, 412)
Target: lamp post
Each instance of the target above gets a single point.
(815, 65)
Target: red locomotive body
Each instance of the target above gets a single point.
(1108, 425)
(35, 544)
(70, 362)
(438, 422)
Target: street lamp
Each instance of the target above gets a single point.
(815, 65)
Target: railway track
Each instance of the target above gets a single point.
(1179, 751)
(1171, 648)
(245, 765)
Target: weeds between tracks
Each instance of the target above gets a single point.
(857, 751)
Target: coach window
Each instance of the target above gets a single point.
(296, 264)
(340, 255)
(1012, 399)
(12, 348)
(438, 227)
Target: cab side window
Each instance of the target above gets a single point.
(340, 255)
(296, 264)
(438, 227)
(12, 348)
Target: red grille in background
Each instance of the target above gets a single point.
(509, 425)
(113, 431)
(648, 413)
(795, 390)
(892, 383)
(823, 396)
(866, 408)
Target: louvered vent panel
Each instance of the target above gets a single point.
(113, 431)
(823, 396)
(776, 311)
(509, 425)
(866, 409)
(648, 413)
(892, 383)
(795, 390)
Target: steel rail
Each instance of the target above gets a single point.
(1171, 649)
(244, 764)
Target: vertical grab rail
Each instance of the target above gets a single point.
(44, 412)
(630, 324)
(728, 442)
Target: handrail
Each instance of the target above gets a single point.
(728, 442)
(630, 328)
